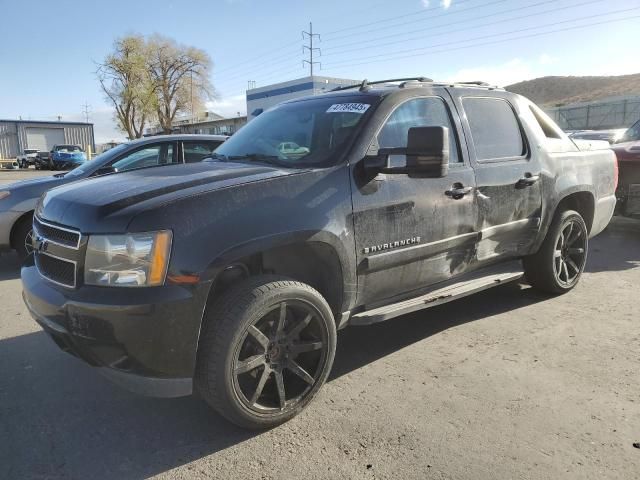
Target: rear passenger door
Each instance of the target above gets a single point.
(197, 150)
(508, 174)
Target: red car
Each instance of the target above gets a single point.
(628, 152)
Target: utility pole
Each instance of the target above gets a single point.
(86, 109)
(310, 35)
(251, 84)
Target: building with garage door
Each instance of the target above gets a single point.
(16, 135)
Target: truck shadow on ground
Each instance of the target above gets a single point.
(59, 418)
(9, 266)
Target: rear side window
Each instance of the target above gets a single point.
(195, 151)
(495, 130)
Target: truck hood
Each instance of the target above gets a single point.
(107, 204)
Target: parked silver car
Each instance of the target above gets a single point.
(18, 200)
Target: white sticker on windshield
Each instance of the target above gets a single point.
(348, 107)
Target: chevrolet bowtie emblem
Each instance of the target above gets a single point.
(40, 244)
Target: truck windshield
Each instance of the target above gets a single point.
(632, 134)
(313, 132)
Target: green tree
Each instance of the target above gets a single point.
(125, 80)
(180, 78)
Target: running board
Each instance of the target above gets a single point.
(433, 298)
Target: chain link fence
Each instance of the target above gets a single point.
(597, 116)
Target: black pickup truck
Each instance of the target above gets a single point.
(231, 276)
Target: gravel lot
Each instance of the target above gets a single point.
(504, 384)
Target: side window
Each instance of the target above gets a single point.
(495, 130)
(148, 156)
(195, 151)
(419, 112)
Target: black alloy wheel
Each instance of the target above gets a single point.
(570, 254)
(266, 348)
(558, 265)
(280, 357)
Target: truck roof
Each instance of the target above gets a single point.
(381, 88)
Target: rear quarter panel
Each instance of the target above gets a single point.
(566, 170)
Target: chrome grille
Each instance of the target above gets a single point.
(55, 234)
(56, 252)
(58, 270)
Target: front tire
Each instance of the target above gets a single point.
(558, 265)
(22, 237)
(266, 348)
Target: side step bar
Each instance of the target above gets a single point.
(433, 298)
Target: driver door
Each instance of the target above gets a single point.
(409, 233)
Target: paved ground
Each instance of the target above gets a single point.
(506, 384)
(10, 176)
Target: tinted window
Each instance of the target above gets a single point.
(494, 128)
(633, 134)
(196, 151)
(314, 131)
(149, 156)
(419, 112)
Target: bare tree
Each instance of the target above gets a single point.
(180, 78)
(125, 80)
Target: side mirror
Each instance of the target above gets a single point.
(427, 154)
(428, 151)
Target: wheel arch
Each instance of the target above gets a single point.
(19, 220)
(578, 198)
(318, 259)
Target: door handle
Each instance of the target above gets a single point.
(527, 180)
(457, 191)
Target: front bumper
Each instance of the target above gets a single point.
(66, 164)
(144, 340)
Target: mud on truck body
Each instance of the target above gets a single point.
(232, 276)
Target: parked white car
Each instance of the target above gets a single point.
(27, 158)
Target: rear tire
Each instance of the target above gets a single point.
(266, 348)
(557, 267)
(22, 236)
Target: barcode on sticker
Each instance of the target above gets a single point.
(348, 107)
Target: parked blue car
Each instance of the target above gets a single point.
(67, 157)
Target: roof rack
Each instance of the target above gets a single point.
(479, 83)
(365, 83)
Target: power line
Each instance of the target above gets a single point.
(260, 57)
(447, 50)
(415, 12)
(443, 14)
(310, 35)
(386, 55)
(86, 109)
(457, 22)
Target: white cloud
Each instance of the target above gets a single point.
(446, 4)
(425, 3)
(228, 106)
(546, 59)
(508, 73)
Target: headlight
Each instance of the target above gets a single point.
(132, 260)
(4, 194)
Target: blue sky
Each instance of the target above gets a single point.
(48, 56)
